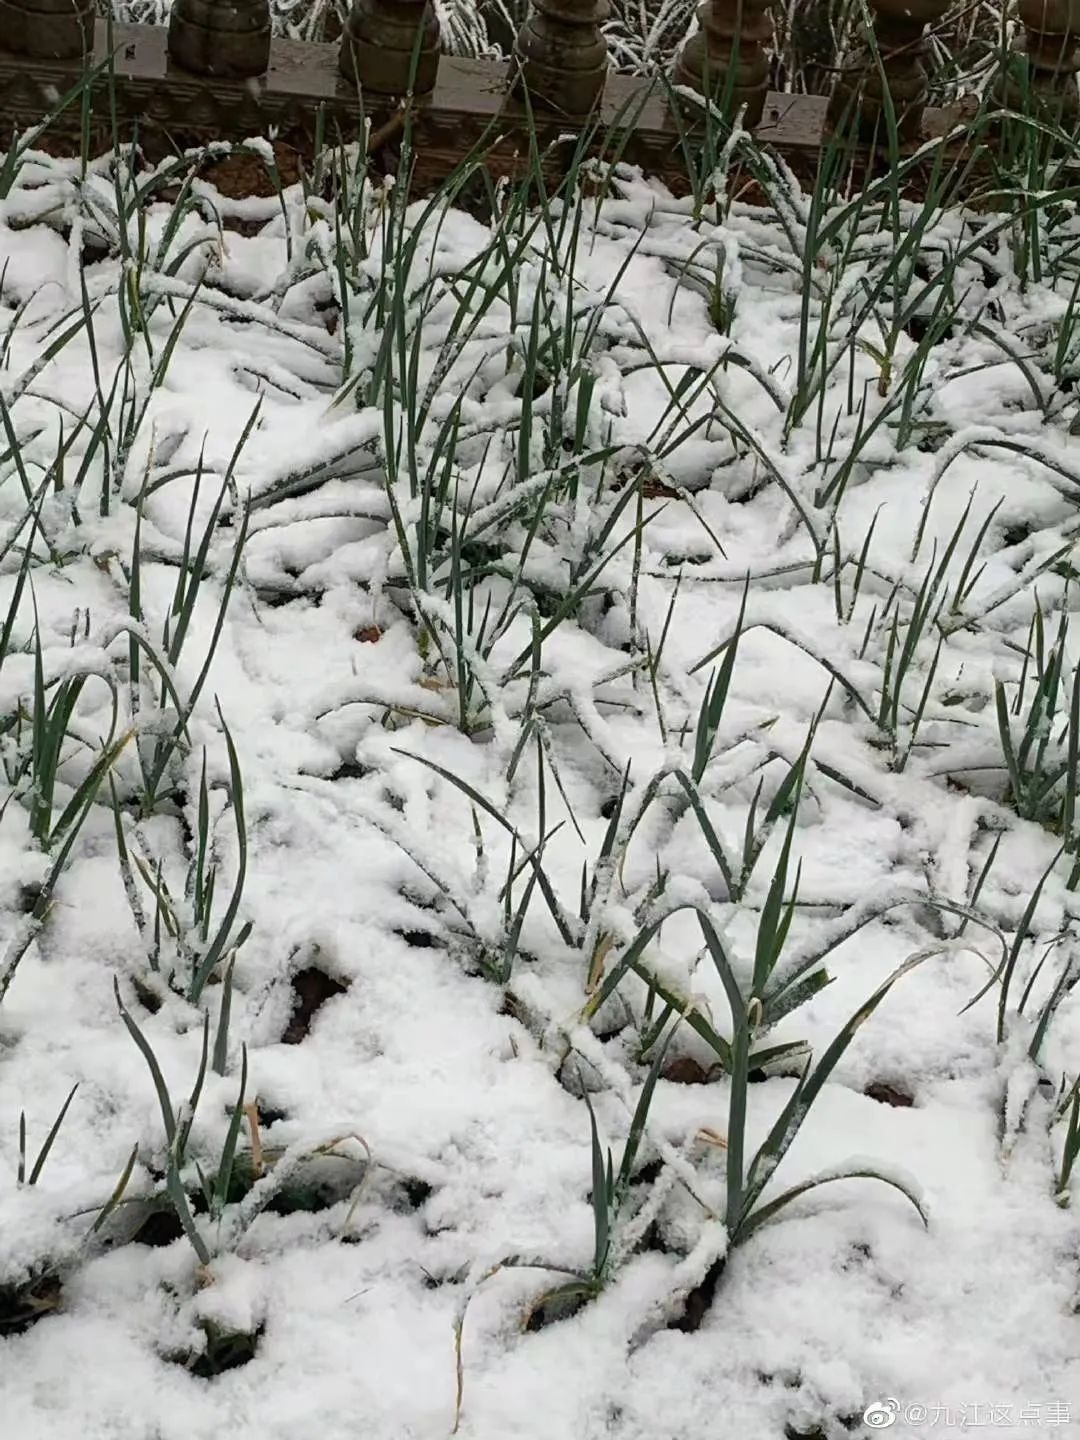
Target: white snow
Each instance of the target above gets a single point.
(364, 863)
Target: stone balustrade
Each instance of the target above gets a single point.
(217, 74)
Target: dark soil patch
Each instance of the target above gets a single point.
(819, 1432)
(350, 770)
(417, 1192)
(24, 1305)
(685, 1070)
(649, 1173)
(147, 998)
(275, 599)
(886, 1094)
(311, 990)
(699, 1300)
(159, 1229)
(225, 1350)
(652, 1240)
(676, 560)
(1015, 535)
(243, 174)
(29, 895)
(418, 939)
(919, 326)
(302, 1198)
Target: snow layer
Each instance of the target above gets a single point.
(474, 1142)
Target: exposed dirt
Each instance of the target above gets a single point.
(312, 988)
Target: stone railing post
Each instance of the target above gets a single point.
(379, 47)
(899, 39)
(727, 57)
(561, 55)
(220, 37)
(47, 29)
(1050, 50)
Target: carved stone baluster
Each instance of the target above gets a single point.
(47, 29)
(1050, 46)
(561, 55)
(727, 57)
(378, 47)
(899, 36)
(221, 37)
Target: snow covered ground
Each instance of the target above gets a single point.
(482, 507)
